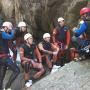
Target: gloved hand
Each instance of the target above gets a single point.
(74, 29)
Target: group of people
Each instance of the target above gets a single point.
(56, 48)
(81, 36)
(8, 39)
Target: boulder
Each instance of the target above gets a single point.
(73, 76)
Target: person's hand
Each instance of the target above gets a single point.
(74, 29)
(25, 62)
(55, 52)
(50, 52)
(30, 60)
(66, 47)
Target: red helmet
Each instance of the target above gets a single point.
(84, 10)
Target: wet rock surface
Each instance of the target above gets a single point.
(73, 76)
(19, 81)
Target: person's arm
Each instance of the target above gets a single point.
(38, 55)
(40, 46)
(68, 38)
(54, 32)
(81, 30)
(7, 35)
(55, 47)
(22, 55)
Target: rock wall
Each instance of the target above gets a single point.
(41, 15)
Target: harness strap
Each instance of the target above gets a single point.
(5, 55)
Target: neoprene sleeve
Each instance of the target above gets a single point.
(81, 30)
(8, 36)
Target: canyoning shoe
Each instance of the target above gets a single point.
(28, 84)
(55, 68)
(30, 81)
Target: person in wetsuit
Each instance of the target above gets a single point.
(30, 57)
(6, 34)
(61, 38)
(15, 43)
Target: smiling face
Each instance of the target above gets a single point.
(47, 39)
(7, 26)
(6, 29)
(30, 40)
(23, 29)
(62, 23)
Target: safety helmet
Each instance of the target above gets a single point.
(26, 36)
(60, 19)
(7, 24)
(22, 24)
(46, 35)
(84, 10)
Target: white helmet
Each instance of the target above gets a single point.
(60, 19)
(7, 24)
(46, 35)
(26, 36)
(22, 24)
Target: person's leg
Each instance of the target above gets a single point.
(2, 75)
(40, 68)
(68, 58)
(54, 58)
(61, 57)
(15, 73)
(14, 50)
(15, 56)
(26, 67)
(72, 53)
(48, 62)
